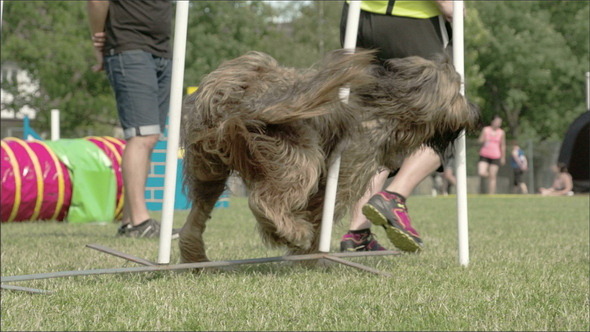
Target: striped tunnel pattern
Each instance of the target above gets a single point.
(36, 185)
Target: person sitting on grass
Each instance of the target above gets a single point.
(562, 184)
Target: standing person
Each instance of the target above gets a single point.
(132, 44)
(396, 29)
(562, 184)
(492, 154)
(519, 165)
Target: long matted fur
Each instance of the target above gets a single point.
(279, 128)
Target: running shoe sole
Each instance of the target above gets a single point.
(398, 237)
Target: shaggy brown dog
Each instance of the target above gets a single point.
(280, 128)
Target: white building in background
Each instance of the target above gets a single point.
(12, 120)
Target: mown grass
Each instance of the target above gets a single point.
(529, 270)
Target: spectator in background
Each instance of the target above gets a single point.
(132, 44)
(492, 154)
(562, 184)
(519, 165)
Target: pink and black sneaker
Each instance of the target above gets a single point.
(389, 210)
(359, 241)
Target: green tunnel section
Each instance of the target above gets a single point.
(94, 187)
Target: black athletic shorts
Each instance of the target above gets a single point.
(490, 160)
(399, 37)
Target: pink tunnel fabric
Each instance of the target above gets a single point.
(35, 184)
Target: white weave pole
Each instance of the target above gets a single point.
(588, 90)
(460, 155)
(352, 24)
(178, 54)
(55, 134)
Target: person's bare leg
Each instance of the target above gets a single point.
(450, 177)
(484, 173)
(358, 219)
(449, 180)
(415, 168)
(388, 209)
(523, 188)
(492, 179)
(135, 167)
(126, 218)
(483, 169)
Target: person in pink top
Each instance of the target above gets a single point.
(492, 153)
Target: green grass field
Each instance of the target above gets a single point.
(529, 270)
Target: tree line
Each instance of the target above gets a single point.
(524, 60)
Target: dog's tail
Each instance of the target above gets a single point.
(319, 92)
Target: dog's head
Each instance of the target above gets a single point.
(417, 102)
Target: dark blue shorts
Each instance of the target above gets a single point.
(141, 82)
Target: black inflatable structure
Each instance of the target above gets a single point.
(575, 152)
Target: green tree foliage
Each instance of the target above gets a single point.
(294, 33)
(313, 32)
(51, 40)
(533, 57)
(524, 60)
(223, 30)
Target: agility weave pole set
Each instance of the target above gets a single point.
(180, 36)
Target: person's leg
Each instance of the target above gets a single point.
(126, 218)
(414, 169)
(515, 184)
(135, 167)
(523, 188)
(388, 208)
(359, 236)
(483, 172)
(483, 169)
(134, 77)
(493, 172)
(358, 220)
(449, 176)
(449, 181)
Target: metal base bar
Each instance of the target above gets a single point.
(120, 254)
(25, 289)
(356, 265)
(186, 266)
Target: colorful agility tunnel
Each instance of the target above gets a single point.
(77, 180)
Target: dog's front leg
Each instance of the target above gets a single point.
(192, 247)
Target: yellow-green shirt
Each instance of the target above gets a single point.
(408, 8)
